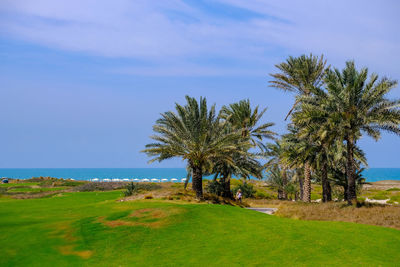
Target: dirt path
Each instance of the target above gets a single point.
(269, 211)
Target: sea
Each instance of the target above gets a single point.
(371, 175)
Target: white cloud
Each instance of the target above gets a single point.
(174, 32)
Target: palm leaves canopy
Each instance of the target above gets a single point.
(362, 105)
(241, 116)
(195, 134)
(300, 75)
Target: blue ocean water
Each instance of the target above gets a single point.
(371, 175)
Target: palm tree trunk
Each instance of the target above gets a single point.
(351, 181)
(284, 183)
(301, 183)
(326, 186)
(197, 181)
(345, 198)
(226, 181)
(307, 183)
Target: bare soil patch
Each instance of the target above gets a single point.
(153, 218)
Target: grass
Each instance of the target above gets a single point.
(93, 229)
(393, 189)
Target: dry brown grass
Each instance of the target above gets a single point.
(380, 215)
(70, 250)
(152, 218)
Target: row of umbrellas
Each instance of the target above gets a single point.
(136, 180)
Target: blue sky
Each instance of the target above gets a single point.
(82, 82)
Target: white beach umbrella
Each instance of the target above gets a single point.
(164, 180)
(174, 180)
(145, 180)
(183, 180)
(136, 180)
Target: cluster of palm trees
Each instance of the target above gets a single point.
(333, 108)
(331, 112)
(223, 144)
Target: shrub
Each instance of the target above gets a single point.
(148, 196)
(246, 188)
(393, 189)
(235, 182)
(214, 187)
(338, 193)
(263, 195)
(131, 188)
(395, 198)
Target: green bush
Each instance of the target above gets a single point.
(131, 188)
(395, 198)
(235, 182)
(393, 189)
(246, 188)
(263, 195)
(215, 187)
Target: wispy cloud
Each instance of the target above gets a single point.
(203, 38)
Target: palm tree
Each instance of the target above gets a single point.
(195, 134)
(300, 75)
(362, 106)
(274, 153)
(314, 122)
(337, 169)
(242, 118)
(299, 153)
(276, 180)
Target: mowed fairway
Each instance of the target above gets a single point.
(95, 229)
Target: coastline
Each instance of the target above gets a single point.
(85, 174)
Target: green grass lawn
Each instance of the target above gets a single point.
(92, 228)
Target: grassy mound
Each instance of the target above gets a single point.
(92, 228)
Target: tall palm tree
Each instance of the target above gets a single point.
(300, 75)
(242, 118)
(362, 106)
(195, 134)
(299, 153)
(315, 123)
